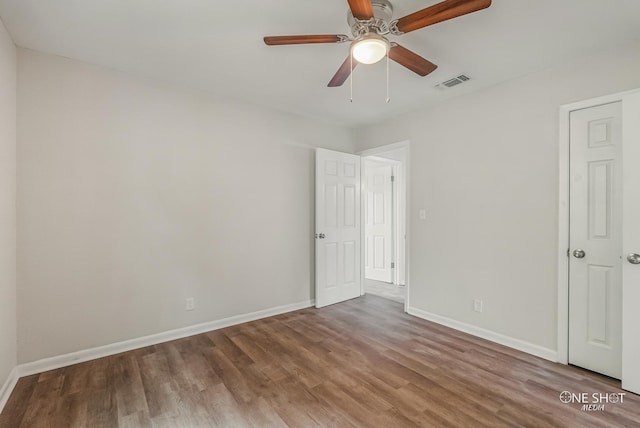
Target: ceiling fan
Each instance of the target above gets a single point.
(370, 21)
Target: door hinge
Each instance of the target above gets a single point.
(393, 265)
(393, 178)
(567, 252)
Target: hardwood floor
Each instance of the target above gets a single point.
(361, 363)
(393, 292)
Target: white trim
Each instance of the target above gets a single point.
(592, 102)
(520, 345)
(406, 175)
(59, 361)
(630, 243)
(563, 214)
(383, 149)
(8, 386)
(563, 238)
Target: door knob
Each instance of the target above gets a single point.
(321, 236)
(578, 254)
(634, 259)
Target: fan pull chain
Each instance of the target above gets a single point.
(351, 77)
(388, 98)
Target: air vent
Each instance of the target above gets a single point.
(453, 82)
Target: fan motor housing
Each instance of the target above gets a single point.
(382, 14)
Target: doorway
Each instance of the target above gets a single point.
(608, 196)
(384, 219)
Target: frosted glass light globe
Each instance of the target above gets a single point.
(370, 49)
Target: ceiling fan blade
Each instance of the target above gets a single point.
(298, 40)
(361, 9)
(439, 12)
(411, 60)
(343, 72)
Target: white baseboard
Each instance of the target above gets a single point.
(520, 345)
(59, 361)
(8, 386)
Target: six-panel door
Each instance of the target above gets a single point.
(337, 227)
(595, 266)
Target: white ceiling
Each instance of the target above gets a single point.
(217, 47)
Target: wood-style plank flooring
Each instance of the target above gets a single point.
(362, 363)
(393, 292)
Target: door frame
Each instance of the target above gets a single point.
(563, 214)
(402, 180)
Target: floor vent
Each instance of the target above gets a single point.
(453, 82)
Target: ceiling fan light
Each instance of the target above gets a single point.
(370, 49)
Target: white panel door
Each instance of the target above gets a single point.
(378, 221)
(595, 265)
(337, 227)
(631, 243)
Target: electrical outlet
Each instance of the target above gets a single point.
(190, 304)
(477, 305)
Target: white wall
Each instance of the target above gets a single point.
(485, 167)
(134, 196)
(7, 205)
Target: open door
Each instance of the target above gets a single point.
(379, 222)
(337, 227)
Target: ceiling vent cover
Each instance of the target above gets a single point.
(453, 82)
